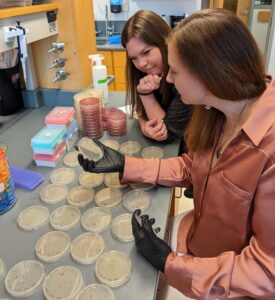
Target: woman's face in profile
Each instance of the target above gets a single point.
(146, 58)
(190, 88)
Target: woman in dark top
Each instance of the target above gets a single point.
(161, 114)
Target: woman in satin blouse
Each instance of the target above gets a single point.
(226, 246)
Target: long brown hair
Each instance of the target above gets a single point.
(153, 30)
(219, 50)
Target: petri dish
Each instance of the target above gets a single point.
(112, 180)
(108, 197)
(152, 152)
(2, 269)
(80, 196)
(62, 176)
(54, 193)
(24, 278)
(52, 246)
(33, 217)
(87, 247)
(111, 144)
(65, 217)
(142, 186)
(96, 219)
(67, 277)
(121, 228)
(71, 160)
(90, 179)
(130, 148)
(96, 292)
(90, 149)
(113, 268)
(136, 199)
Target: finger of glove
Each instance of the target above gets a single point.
(147, 226)
(152, 221)
(80, 159)
(87, 166)
(136, 228)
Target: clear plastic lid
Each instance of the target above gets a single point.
(112, 180)
(96, 219)
(108, 197)
(87, 247)
(54, 193)
(142, 186)
(90, 149)
(70, 159)
(80, 196)
(111, 144)
(63, 283)
(24, 278)
(52, 246)
(91, 179)
(33, 217)
(136, 199)
(62, 176)
(130, 148)
(152, 152)
(113, 268)
(2, 269)
(96, 292)
(65, 217)
(121, 228)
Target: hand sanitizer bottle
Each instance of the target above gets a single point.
(99, 72)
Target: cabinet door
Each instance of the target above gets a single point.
(108, 61)
(119, 59)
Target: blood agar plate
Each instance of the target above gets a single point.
(136, 199)
(152, 152)
(96, 292)
(121, 228)
(54, 193)
(71, 160)
(65, 217)
(2, 269)
(113, 268)
(24, 278)
(87, 247)
(90, 149)
(67, 277)
(96, 219)
(52, 246)
(80, 196)
(62, 176)
(108, 197)
(130, 148)
(142, 186)
(91, 179)
(111, 144)
(112, 180)
(33, 217)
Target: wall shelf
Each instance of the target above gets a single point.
(20, 11)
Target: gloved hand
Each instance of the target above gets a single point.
(149, 245)
(112, 161)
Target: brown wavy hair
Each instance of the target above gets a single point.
(153, 30)
(219, 50)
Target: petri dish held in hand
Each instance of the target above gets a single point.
(90, 149)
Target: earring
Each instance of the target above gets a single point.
(208, 107)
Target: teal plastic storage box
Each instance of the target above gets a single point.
(47, 140)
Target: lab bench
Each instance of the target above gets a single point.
(18, 245)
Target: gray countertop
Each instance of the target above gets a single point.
(18, 245)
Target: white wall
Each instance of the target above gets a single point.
(167, 7)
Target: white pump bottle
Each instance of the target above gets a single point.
(99, 72)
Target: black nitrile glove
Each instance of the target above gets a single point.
(112, 161)
(149, 245)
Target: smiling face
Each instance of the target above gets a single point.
(191, 89)
(146, 58)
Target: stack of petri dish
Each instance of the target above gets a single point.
(105, 114)
(90, 110)
(117, 123)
